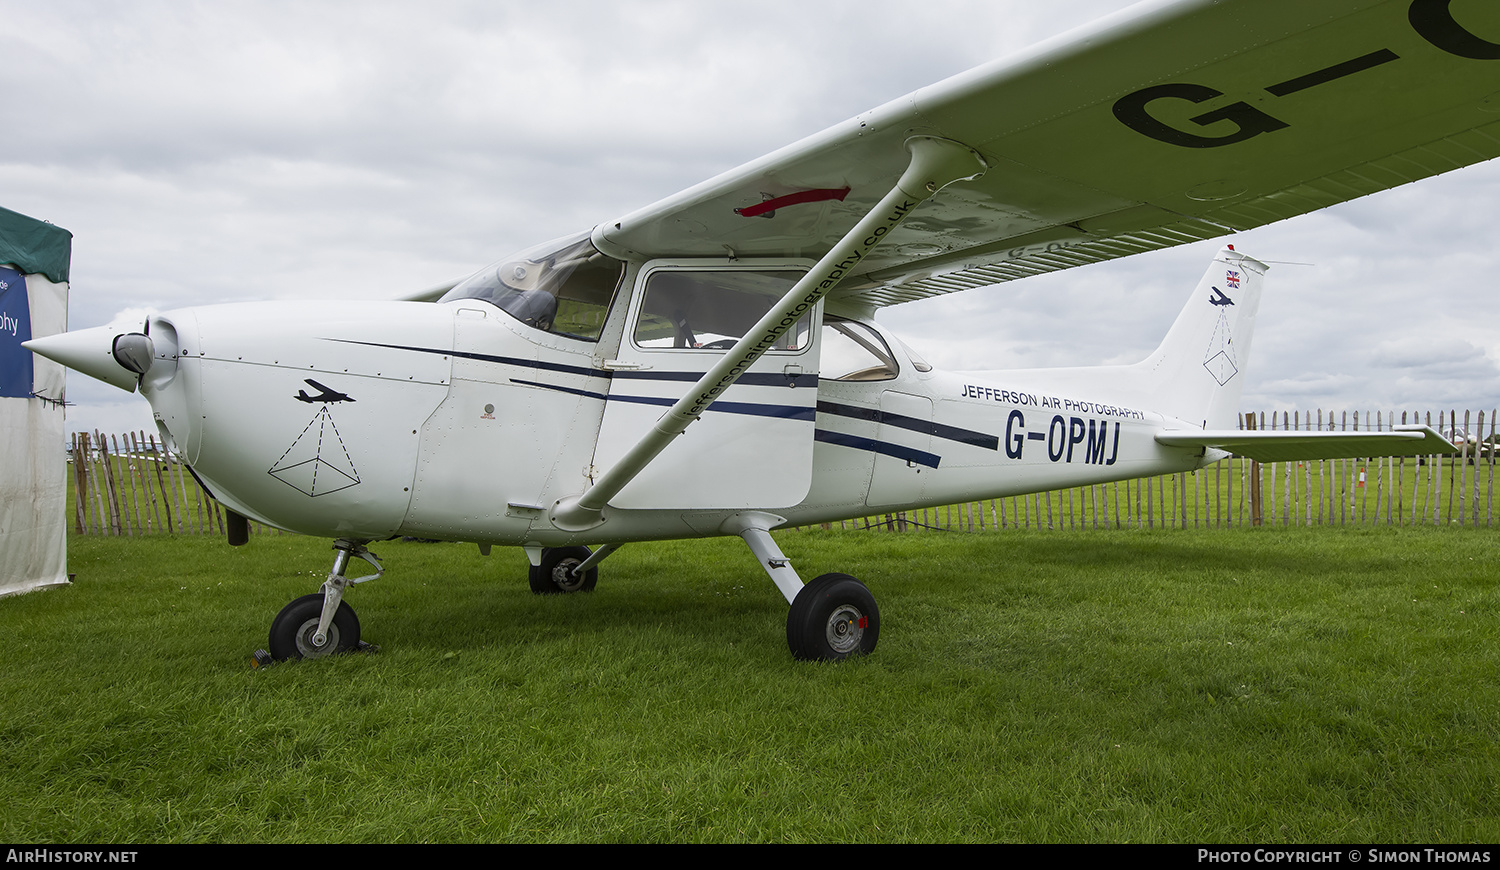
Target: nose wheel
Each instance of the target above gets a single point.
(294, 631)
(322, 624)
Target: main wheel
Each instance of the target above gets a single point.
(832, 618)
(293, 628)
(555, 575)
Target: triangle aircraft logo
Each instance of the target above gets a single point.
(317, 462)
(1219, 360)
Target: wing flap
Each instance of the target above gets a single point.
(1284, 446)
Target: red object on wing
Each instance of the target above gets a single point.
(797, 198)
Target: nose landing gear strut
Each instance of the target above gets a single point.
(321, 624)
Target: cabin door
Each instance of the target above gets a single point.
(753, 447)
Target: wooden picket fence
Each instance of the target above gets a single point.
(1385, 491)
(128, 485)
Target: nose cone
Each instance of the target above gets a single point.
(90, 351)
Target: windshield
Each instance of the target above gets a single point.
(563, 287)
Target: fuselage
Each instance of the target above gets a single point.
(492, 414)
(460, 422)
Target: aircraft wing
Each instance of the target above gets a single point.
(1166, 123)
(433, 293)
(1283, 446)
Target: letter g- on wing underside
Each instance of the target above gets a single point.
(1167, 123)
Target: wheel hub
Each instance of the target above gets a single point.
(565, 578)
(846, 628)
(306, 640)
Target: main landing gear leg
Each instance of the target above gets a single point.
(831, 618)
(322, 624)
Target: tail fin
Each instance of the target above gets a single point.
(1197, 372)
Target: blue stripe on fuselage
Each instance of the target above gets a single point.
(909, 454)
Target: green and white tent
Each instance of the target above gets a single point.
(34, 259)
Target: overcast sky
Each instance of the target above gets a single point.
(227, 151)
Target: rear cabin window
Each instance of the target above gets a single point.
(853, 351)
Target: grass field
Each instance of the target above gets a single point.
(1337, 685)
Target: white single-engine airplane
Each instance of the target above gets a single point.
(545, 402)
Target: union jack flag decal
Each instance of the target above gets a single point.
(1232, 278)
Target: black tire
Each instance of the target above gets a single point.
(552, 578)
(832, 618)
(293, 628)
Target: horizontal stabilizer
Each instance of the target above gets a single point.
(1281, 446)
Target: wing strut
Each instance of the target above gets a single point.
(935, 163)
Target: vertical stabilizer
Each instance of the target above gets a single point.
(1197, 372)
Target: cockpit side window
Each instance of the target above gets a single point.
(711, 310)
(563, 287)
(853, 351)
